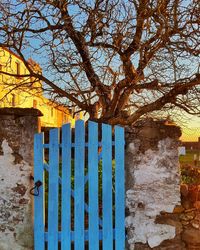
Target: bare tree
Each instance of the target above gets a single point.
(119, 60)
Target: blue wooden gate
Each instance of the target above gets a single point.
(79, 189)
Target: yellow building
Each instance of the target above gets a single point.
(25, 92)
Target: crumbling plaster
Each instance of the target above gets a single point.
(153, 187)
(15, 211)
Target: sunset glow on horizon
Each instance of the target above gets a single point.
(191, 131)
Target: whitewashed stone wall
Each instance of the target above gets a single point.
(17, 128)
(153, 186)
(15, 209)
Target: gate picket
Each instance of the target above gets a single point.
(93, 186)
(79, 185)
(66, 188)
(53, 190)
(99, 229)
(119, 189)
(107, 186)
(39, 241)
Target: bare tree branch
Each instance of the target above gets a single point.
(108, 57)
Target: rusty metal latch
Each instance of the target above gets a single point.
(35, 190)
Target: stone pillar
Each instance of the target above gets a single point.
(17, 128)
(152, 184)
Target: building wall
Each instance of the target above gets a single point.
(192, 145)
(54, 115)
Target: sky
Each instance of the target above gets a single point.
(191, 130)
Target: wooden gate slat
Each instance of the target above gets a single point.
(119, 189)
(93, 186)
(79, 185)
(107, 186)
(66, 188)
(53, 190)
(39, 240)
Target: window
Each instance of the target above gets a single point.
(13, 100)
(65, 118)
(34, 104)
(17, 65)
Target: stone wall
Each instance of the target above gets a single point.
(17, 128)
(152, 184)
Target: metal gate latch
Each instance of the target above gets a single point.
(35, 190)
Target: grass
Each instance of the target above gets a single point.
(188, 159)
